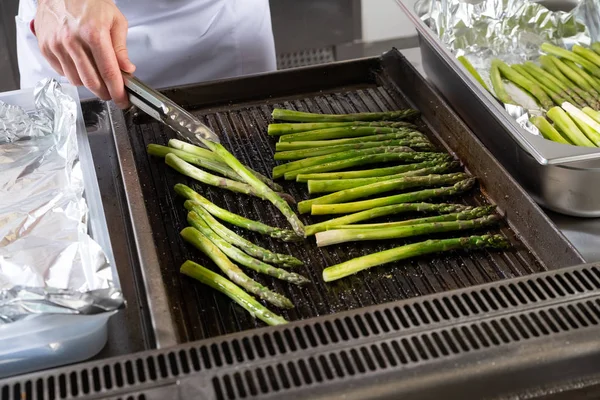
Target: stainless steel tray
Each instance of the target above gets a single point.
(537, 164)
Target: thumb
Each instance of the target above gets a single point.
(119, 40)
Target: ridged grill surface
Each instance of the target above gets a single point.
(202, 313)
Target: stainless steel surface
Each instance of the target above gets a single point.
(158, 106)
(160, 315)
(562, 188)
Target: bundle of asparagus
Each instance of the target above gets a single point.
(566, 85)
(319, 154)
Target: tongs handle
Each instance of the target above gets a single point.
(165, 110)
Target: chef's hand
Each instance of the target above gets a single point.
(85, 40)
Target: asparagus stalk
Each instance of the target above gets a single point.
(232, 291)
(381, 187)
(412, 136)
(284, 129)
(235, 219)
(281, 170)
(230, 236)
(376, 172)
(596, 47)
(556, 97)
(595, 115)
(590, 80)
(472, 71)
(554, 83)
(336, 185)
(353, 266)
(340, 133)
(258, 185)
(573, 75)
(411, 157)
(411, 197)
(337, 236)
(382, 212)
(526, 84)
(562, 53)
(498, 85)
(239, 256)
(321, 151)
(549, 65)
(299, 116)
(209, 155)
(587, 54)
(233, 272)
(568, 127)
(162, 151)
(588, 125)
(467, 214)
(548, 130)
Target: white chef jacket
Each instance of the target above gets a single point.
(174, 42)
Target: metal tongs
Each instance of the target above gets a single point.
(165, 110)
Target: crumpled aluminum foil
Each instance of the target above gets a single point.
(48, 262)
(512, 31)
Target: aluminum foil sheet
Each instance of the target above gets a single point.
(48, 262)
(512, 31)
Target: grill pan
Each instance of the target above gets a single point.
(239, 111)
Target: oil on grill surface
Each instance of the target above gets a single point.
(202, 313)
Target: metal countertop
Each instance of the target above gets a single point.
(584, 233)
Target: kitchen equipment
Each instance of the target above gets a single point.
(565, 188)
(50, 340)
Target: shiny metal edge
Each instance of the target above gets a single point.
(161, 318)
(544, 153)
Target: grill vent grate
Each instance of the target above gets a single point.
(426, 325)
(419, 348)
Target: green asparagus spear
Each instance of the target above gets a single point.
(284, 129)
(557, 98)
(472, 71)
(230, 236)
(587, 54)
(412, 250)
(321, 151)
(376, 172)
(548, 131)
(282, 169)
(196, 173)
(410, 157)
(412, 136)
(549, 65)
(557, 51)
(595, 115)
(239, 256)
(235, 219)
(568, 127)
(526, 84)
(596, 47)
(299, 116)
(587, 125)
(498, 85)
(335, 185)
(215, 166)
(340, 133)
(574, 76)
(411, 197)
(209, 155)
(202, 243)
(258, 185)
(554, 83)
(337, 236)
(384, 211)
(590, 80)
(466, 214)
(232, 291)
(381, 187)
